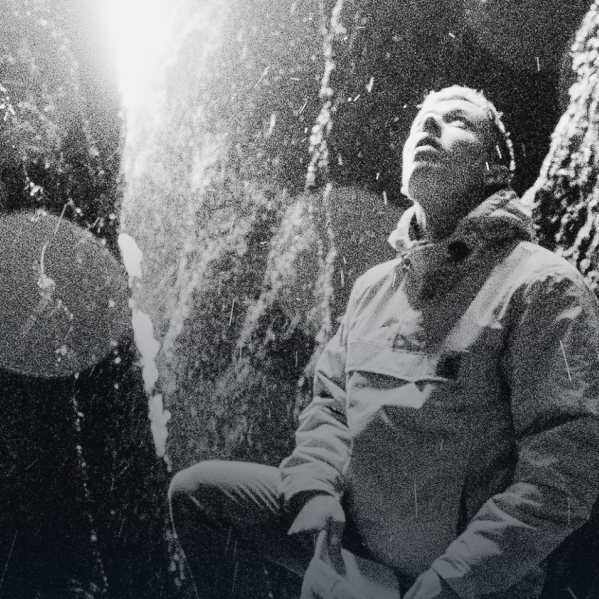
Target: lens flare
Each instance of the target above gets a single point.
(137, 30)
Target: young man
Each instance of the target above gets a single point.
(454, 433)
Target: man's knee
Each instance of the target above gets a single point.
(238, 493)
(178, 489)
(192, 483)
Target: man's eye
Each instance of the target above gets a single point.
(458, 122)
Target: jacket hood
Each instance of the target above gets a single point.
(501, 216)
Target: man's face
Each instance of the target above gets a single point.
(446, 153)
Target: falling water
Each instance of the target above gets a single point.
(147, 345)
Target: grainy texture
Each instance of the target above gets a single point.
(249, 254)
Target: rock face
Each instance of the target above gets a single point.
(529, 34)
(77, 468)
(240, 262)
(565, 195)
(58, 146)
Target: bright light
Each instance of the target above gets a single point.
(137, 30)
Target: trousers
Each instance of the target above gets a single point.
(230, 521)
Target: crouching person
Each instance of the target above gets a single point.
(453, 436)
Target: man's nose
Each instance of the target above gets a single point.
(431, 124)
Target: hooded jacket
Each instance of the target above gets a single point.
(456, 408)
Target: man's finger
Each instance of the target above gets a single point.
(335, 533)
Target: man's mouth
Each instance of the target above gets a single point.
(428, 143)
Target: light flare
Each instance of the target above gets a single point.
(137, 30)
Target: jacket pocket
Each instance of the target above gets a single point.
(408, 366)
(386, 376)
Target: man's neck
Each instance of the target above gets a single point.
(436, 226)
(439, 224)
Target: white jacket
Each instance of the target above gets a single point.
(456, 409)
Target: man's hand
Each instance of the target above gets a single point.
(320, 513)
(430, 586)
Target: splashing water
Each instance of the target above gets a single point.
(148, 347)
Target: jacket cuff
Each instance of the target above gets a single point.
(294, 505)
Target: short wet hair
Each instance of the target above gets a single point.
(504, 149)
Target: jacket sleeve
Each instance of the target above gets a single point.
(552, 369)
(322, 438)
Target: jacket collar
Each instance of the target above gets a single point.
(500, 217)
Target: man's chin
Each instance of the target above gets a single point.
(426, 170)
